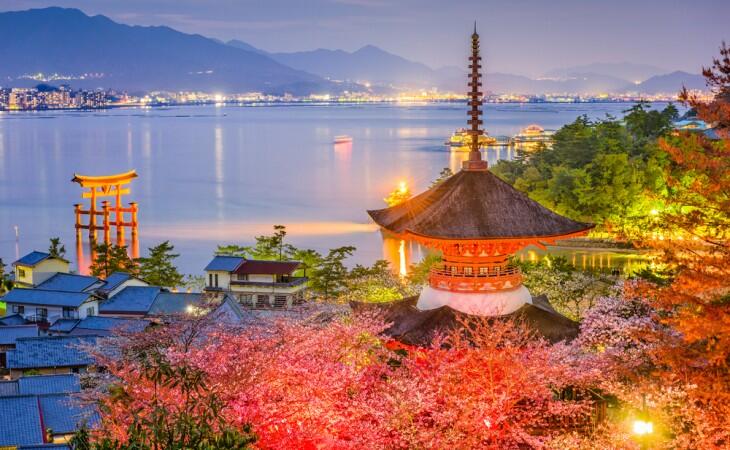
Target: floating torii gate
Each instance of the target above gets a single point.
(106, 186)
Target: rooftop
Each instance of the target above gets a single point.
(10, 333)
(174, 303)
(224, 263)
(46, 298)
(69, 282)
(256, 267)
(63, 414)
(114, 280)
(48, 384)
(131, 300)
(104, 326)
(20, 421)
(32, 258)
(475, 205)
(13, 319)
(50, 351)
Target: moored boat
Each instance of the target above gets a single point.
(461, 138)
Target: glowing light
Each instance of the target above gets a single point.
(642, 428)
(402, 258)
(654, 212)
(403, 187)
(190, 309)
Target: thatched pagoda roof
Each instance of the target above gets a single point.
(475, 205)
(413, 326)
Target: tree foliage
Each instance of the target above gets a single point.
(110, 258)
(598, 171)
(157, 401)
(158, 268)
(341, 384)
(56, 249)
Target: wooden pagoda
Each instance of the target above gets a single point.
(477, 222)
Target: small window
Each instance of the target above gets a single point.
(41, 312)
(242, 277)
(69, 313)
(90, 311)
(467, 270)
(21, 273)
(216, 280)
(210, 279)
(18, 309)
(279, 301)
(262, 299)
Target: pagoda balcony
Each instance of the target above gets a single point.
(485, 279)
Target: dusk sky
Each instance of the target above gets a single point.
(527, 37)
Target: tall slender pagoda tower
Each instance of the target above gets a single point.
(478, 222)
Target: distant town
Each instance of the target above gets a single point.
(46, 97)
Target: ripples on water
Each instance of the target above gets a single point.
(217, 175)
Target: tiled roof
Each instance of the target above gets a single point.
(45, 447)
(224, 263)
(62, 413)
(8, 388)
(114, 280)
(46, 298)
(103, 326)
(131, 299)
(13, 319)
(32, 258)
(63, 325)
(69, 282)
(9, 334)
(51, 351)
(255, 267)
(174, 302)
(48, 384)
(20, 421)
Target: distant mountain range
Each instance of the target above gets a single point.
(625, 71)
(380, 68)
(68, 42)
(98, 52)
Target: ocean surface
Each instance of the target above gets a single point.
(221, 175)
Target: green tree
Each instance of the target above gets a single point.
(268, 247)
(605, 171)
(56, 249)
(110, 258)
(330, 277)
(158, 268)
(6, 283)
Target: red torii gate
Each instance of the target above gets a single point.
(106, 186)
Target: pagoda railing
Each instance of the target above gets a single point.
(484, 279)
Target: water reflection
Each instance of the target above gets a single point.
(402, 253)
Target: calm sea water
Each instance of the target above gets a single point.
(218, 175)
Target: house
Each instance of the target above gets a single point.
(149, 301)
(46, 306)
(37, 411)
(36, 267)
(103, 288)
(11, 333)
(96, 326)
(254, 283)
(49, 355)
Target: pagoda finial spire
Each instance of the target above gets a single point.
(475, 161)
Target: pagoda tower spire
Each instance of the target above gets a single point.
(475, 162)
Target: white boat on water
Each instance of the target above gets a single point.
(343, 139)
